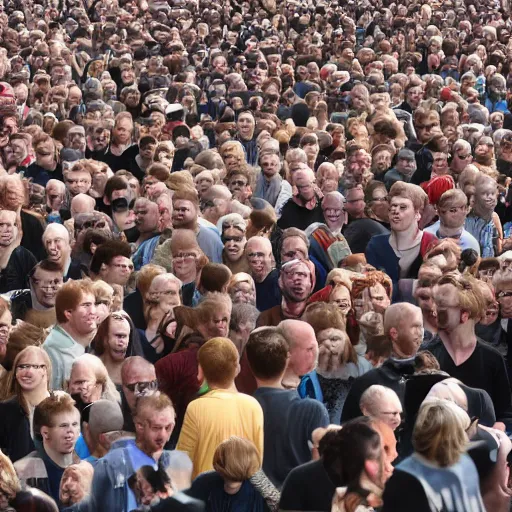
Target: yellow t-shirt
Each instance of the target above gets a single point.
(213, 418)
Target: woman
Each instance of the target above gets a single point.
(89, 381)
(237, 484)
(233, 228)
(439, 475)
(241, 289)
(158, 337)
(232, 153)
(9, 483)
(246, 125)
(376, 198)
(28, 385)
(187, 261)
(115, 340)
(338, 362)
(5, 330)
(104, 297)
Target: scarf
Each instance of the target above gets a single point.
(406, 257)
(268, 190)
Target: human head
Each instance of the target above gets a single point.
(215, 203)
(453, 209)
(138, 379)
(381, 403)
(111, 262)
(75, 307)
(57, 244)
(296, 280)
(185, 208)
(406, 163)
(241, 288)
(242, 323)
(165, 289)
(75, 484)
(294, 245)
(461, 156)
(333, 207)
(406, 203)
(486, 195)
(8, 228)
(267, 353)
(303, 346)
(218, 363)
(258, 251)
(403, 324)
(146, 215)
(32, 369)
(236, 460)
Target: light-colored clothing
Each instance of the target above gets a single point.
(62, 350)
(213, 418)
(210, 243)
(484, 231)
(466, 240)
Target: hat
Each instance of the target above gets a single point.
(105, 416)
(437, 186)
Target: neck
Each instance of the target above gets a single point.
(462, 338)
(99, 451)
(276, 383)
(399, 355)
(113, 368)
(36, 396)
(155, 455)
(450, 232)
(61, 459)
(292, 309)
(231, 387)
(405, 239)
(82, 339)
(290, 379)
(427, 325)
(145, 236)
(188, 278)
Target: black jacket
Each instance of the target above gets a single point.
(15, 440)
(300, 217)
(15, 275)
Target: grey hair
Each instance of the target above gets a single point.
(242, 314)
(373, 395)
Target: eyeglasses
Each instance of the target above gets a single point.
(27, 366)
(380, 199)
(254, 255)
(182, 256)
(238, 183)
(143, 388)
(47, 284)
(237, 239)
(503, 295)
(124, 266)
(103, 303)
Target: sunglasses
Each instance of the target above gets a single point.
(143, 388)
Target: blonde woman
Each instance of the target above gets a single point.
(439, 475)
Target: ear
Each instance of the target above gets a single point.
(372, 468)
(237, 370)
(417, 216)
(393, 334)
(45, 433)
(67, 314)
(464, 316)
(200, 374)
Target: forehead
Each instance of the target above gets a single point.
(294, 241)
(120, 259)
(46, 274)
(33, 356)
(66, 416)
(401, 201)
(355, 193)
(163, 284)
(81, 371)
(119, 326)
(138, 374)
(183, 203)
(446, 293)
(257, 245)
(7, 216)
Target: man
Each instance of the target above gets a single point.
(304, 208)
(21, 146)
(479, 222)
(111, 263)
(146, 222)
(460, 304)
(57, 244)
(75, 311)
(37, 305)
(138, 379)
(154, 422)
(222, 412)
(382, 404)
(461, 157)
(296, 282)
(354, 202)
(403, 325)
(82, 203)
(452, 208)
(185, 212)
(289, 421)
(400, 254)
(216, 202)
(46, 165)
(56, 428)
(15, 261)
(382, 156)
(78, 180)
(258, 252)
(404, 169)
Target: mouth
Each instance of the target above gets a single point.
(119, 352)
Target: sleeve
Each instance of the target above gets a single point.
(351, 408)
(165, 374)
(187, 441)
(56, 368)
(372, 257)
(501, 395)
(401, 491)
(319, 416)
(291, 493)
(101, 489)
(258, 428)
(284, 194)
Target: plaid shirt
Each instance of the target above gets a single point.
(484, 231)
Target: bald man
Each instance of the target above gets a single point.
(82, 203)
(403, 325)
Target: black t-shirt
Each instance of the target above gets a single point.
(404, 493)
(268, 293)
(359, 232)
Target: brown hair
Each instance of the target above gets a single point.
(214, 277)
(218, 359)
(157, 402)
(99, 341)
(69, 297)
(236, 459)
(414, 193)
(45, 412)
(322, 316)
(146, 275)
(267, 352)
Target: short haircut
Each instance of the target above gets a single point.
(187, 194)
(440, 431)
(47, 266)
(375, 394)
(45, 412)
(115, 183)
(69, 297)
(218, 359)
(409, 191)
(267, 352)
(236, 459)
(451, 198)
(106, 252)
(157, 402)
(241, 314)
(146, 141)
(395, 314)
(291, 232)
(214, 277)
(146, 275)
(55, 229)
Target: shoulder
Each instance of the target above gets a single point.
(379, 240)
(30, 466)
(487, 351)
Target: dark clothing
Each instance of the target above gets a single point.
(32, 235)
(179, 502)
(294, 215)
(76, 270)
(41, 176)
(485, 369)
(268, 293)
(15, 440)
(272, 317)
(308, 488)
(359, 232)
(15, 275)
(134, 306)
(392, 374)
(20, 304)
(289, 422)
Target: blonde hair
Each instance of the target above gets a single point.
(440, 431)
(236, 459)
(9, 482)
(102, 290)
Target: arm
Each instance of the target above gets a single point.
(189, 434)
(284, 194)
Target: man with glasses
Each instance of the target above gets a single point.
(461, 157)
(37, 305)
(111, 263)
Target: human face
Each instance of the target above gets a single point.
(341, 297)
(83, 319)
(57, 248)
(311, 151)
(146, 217)
(389, 411)
(406, 167)
(504, 297)
(449, 313)
(184, 214)
(82, 380)
(122, 132)
(19, 151)
(304, 354)
(354, 204)
(45, 155)
(259, 258)
(147, 152)
(453, 216)
(146, 376)
(425, 130)
(74, 97)
(440, 164)
(295, 282)
(100, 140)
(243, 293)
(234, 244)
(118, 271)
(486, 194)
(46, 284)
(184, 264)
(492, 310)
(217, 325)
(382, 161)
(154, 429)
(358, 100)
(238, 185)
(379, 298)
(118, 338)
(331, 345)
(165, 292)
(408, 334)
(460, 160)
(8, 230)
(5, 330)
(31, 372)
(293, 248)
(71, 488)
(305, 187)
(402, 214)
(414, 96)
(380, 204)
(62, 436)
(78, 182)
(270, 165)
(334, 212)
(246, 125)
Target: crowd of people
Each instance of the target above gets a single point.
(255, 256)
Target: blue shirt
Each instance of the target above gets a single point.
(138, 459)
(484, 232)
